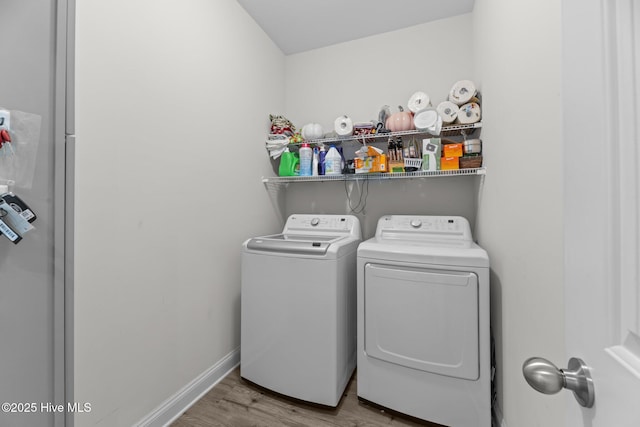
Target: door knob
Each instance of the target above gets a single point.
(545, 377)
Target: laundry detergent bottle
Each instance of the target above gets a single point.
(288, 163)
(333, 162)
(306, 159)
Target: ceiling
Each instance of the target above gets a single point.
(300, 25)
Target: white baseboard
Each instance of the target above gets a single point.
(177, 404)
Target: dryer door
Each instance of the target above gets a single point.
(425, 319)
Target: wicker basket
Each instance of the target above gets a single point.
(413, 164)
(470, 162)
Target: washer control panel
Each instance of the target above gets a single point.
(332, 224)
(416, 226)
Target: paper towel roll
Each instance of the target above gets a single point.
(448, 111)
(462, 92)
(418, 101)
(343, 126)
(469, 113)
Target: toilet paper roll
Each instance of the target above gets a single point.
(462, 92)
(343, 126)
(448, 111)
(418, 101)
(469, 113)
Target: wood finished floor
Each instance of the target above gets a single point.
(235, 402)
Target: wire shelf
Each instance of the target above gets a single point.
(374, 176)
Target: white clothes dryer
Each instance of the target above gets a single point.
(298, 308)
(423, 320)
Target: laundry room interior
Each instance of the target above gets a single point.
(172, 105)
(199, 80)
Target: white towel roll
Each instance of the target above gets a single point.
(469, 113)
(462, 92)
(343, 126)
(448, 111)
(418, 101)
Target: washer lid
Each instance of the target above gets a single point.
(293, 244)
(451, 253)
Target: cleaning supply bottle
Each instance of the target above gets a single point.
(343, 161)
(333, 162)
(306, 158)
(321, 158)
(314, 161)
(288, 163)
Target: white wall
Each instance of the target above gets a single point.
(172, 103)
(357, 78)
(517, 57)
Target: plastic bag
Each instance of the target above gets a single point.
(18, 158)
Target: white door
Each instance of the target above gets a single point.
(601, 92)
(31, 273)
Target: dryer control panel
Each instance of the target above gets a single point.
(424, 227)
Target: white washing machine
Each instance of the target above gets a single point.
(423, 320)
(298, 305)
